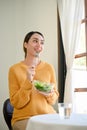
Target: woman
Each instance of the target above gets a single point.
(25, 99)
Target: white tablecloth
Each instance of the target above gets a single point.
(53, 122)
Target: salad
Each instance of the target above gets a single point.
(43, 86)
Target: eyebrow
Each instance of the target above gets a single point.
(37, 39)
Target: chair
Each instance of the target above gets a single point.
(7, 112)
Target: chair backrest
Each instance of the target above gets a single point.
(7, 112)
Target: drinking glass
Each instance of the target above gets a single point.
(64, 110)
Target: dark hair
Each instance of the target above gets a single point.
(27, 37)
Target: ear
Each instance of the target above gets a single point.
(25, 44)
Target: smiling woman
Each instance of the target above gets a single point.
(26, 100)
(16, 19)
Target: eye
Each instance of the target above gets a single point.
(35, 41)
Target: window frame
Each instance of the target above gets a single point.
(84, 53)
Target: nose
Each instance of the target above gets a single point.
(38, 46)
(39, 43)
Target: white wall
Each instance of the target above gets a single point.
(18, 17)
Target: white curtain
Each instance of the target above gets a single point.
(70, 13)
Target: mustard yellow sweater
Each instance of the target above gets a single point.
(25, 99)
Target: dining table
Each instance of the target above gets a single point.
(54, 122)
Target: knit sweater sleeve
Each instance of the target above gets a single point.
(19, 91)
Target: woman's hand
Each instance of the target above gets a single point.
(51, 98)
(31, 73)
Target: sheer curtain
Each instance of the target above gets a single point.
(70, 13)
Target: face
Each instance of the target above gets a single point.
(35, 45)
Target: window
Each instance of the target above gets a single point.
(80, 67)
(80, 61)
